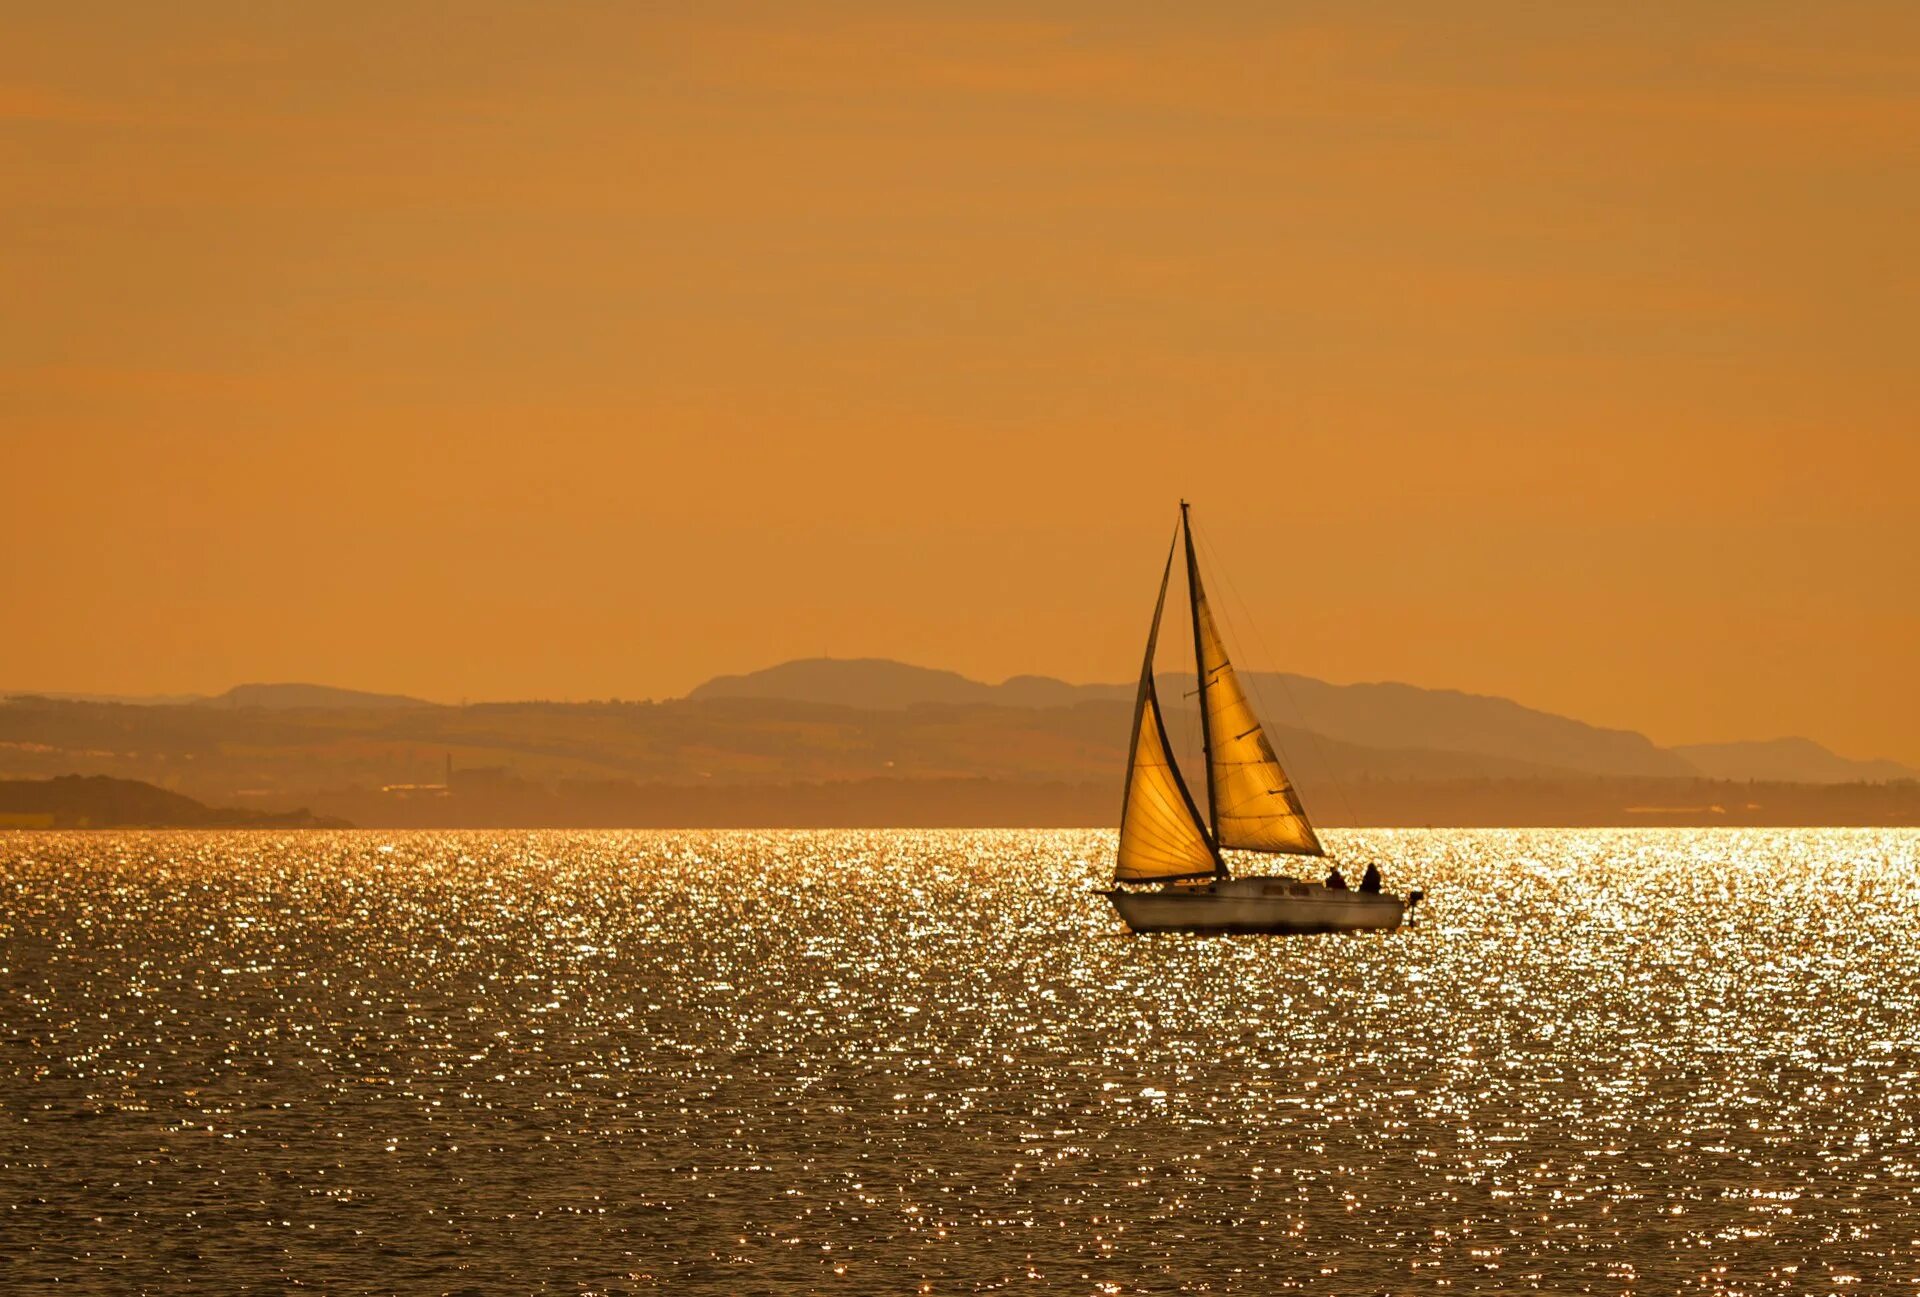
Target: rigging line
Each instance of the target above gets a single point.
(1340, 791)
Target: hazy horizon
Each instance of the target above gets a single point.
(1288, 715)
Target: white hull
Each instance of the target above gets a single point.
(1257, 905)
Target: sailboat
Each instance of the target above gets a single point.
(1177, 855)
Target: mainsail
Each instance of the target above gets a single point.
(1252, 802)
(1161, 836)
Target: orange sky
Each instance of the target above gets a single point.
(1558, 351)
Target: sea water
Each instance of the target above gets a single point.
(1606, 1061)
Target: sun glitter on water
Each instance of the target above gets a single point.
(1666, 1060)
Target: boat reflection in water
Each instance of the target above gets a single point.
(1251, 806)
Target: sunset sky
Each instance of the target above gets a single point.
(1564, 352)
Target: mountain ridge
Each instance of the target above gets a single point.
(270, 697)
(839, 719)
(1793, 757)
(295, 695)
(1374, 714)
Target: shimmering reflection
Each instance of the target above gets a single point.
(1606, 1061)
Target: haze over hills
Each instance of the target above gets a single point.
(1381, 716)
(877, 742)
(1371, 715)
(884, 683)
(273, 697)
(1795, 759)
(286, 697)
(1405, 730)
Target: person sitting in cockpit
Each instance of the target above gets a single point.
(1370, 881)
(1336, 881)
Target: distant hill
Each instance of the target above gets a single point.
(291, 697)
(772, 761)
(130, 700)
(881, 683)
(272, 697)
(1383, 729)
(97, 801)
(1389, 716)
(848, 682)
(1408, 716)
(1790, 760)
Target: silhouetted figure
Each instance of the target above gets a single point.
(1370, 881)
(1336, 881)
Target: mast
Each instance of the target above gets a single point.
(1200, 671)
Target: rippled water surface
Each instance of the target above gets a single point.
(1605, 1061)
